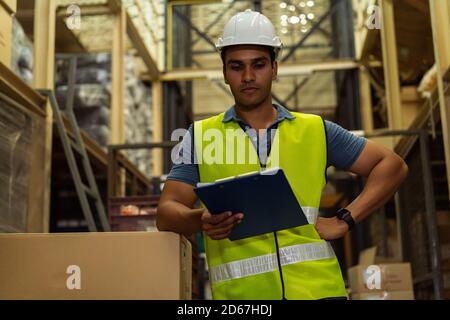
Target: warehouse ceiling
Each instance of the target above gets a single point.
(293, 21)
(203, 22)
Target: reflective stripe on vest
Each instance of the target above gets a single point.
(268, 263)
(311, 214)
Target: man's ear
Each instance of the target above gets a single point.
(275, 70)
(224, 75)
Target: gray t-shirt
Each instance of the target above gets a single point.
(343, 147)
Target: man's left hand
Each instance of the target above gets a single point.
(331, 228)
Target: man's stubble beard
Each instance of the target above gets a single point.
(255, 105)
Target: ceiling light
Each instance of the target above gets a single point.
(283, 5)
(294, 19)
(310, 3)
(310, 16)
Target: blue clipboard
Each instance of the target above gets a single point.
(265, 198)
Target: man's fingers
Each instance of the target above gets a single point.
(217, 231)
(197, 212)
(223, 230)
(219, 234)
(219, 237)
(215, 218)
(232, 220)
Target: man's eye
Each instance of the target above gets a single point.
(260, 65)
(235, 67)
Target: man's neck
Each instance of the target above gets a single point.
(258, 118)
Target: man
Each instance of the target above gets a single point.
(297, 263)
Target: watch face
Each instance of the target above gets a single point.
(341, 213)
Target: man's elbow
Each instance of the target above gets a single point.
(403, 170)
(161, 224)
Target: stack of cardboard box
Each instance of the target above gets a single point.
(106, 265)
(373, 279)
(7, 8)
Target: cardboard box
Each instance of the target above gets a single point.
(9, 5)
(383, 295)
(107, 265)
(372, 274)
(5, 37)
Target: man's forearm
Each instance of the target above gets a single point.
(382, 183)
(176, 217)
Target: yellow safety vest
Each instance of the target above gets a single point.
(248, 268)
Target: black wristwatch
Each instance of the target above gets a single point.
(344, 214)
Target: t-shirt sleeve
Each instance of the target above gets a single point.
(343, 147)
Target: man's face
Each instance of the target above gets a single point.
(249, 73)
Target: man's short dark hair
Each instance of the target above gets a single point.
(271, 52)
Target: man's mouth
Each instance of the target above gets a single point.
(249, 89)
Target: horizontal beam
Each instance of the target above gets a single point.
(114, 5)
(85, 10)
(192, 2)
(20, 92)
(285, 70)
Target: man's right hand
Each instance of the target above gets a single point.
(219, 226)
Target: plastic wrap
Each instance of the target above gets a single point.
(100, 133)
(99, 60)
(22, 53)
(91, 69)
(92, 101)
(93, 116)
(87, 75)
(86, 95)
(92, 96)
(15, 151)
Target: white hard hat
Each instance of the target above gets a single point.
(249, 27)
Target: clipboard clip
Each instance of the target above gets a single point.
(270, 172)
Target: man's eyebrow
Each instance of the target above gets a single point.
(234, 61)
(259, 59)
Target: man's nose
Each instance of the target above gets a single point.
(248, 74)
